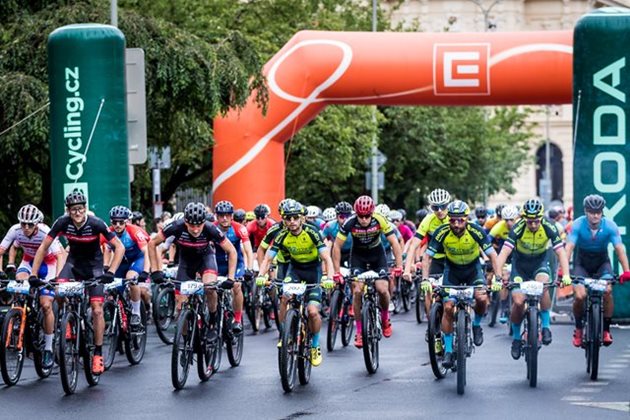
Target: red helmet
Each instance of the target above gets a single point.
(364, 205)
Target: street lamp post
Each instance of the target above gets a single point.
(374, 165)
(114, 12)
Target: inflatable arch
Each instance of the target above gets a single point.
(315, 69)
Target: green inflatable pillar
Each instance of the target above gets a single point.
(601, 106)
(88, 116)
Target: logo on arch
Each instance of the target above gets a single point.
(461, 69)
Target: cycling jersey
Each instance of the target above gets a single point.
(460, 250)
(533, 244)
(303, 248)
(330, 232)
(365, 237)
(84, 241)
(30, 244)
(190, 247)
(593, 241)
(134, 239)
(271, 234)
(490, 223)
(428, 227)
(384, 240)
(499, 233)
(257, 233)
(405, 232)
(237, 234)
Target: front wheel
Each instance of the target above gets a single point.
(334, 320)
(289, 351)
(594, 331)
(69, 353)
(87, 350)
(111, 334)
(233, 342)
(163, 314)
(532, 346)
(419, 304)
(461, 337)
(347, 323)
(370, 335)
(182, 354)
(12, 351)
(405, 294)
(436, 345)
(38, 340)
(304, 358)
(136, 340)
(252, 307)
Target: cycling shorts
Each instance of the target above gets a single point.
(46, 271)
(463, 275)
(203, 264)
(85, 270)
(369, 259)
(528, 268)
(437, 266)
(592, 264)
(222, 269)
(126, 266)
(310, 274)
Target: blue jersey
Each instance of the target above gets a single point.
(236, 234)
(133, 238)
(594, 241)
(330, 232)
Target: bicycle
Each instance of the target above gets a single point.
(531, 337)
(117, 312)
(593, 320)
(22, 333)
(76, 334)
(340, 313)
(295, 351)
(418, 299)
(164, 306)
(252, 302)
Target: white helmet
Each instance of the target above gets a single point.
(509, 213)
(330, 214)
(312, 211)
(395, 216)
(178, 215)
(382, 209)
(30, 214)
(439, 197)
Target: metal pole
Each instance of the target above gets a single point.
(157, 195)
(547, 150)
(374, 139)
(114, 12)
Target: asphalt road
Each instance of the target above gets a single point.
(403, 387)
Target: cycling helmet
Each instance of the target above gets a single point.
(249, 216)
(509, 213)
(195, 213)
(30, 214)
(75, 197)
(395, 216)
(119, 213)
(499, 209)
(481, 212)
(421, 214)
(364, 205)
(262, 211)
(594, 203)
(439, 197)
(343, 207)
(312, 211)
(281, 203)
(224, 207)
(458, 208)
(178, 216)
(136, 216)
(533, 209)
(403, 212)
(292, 208)
(382, 209)
(239, 215)
(329, 214)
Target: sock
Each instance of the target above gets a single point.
(48, 341)
(212, 318)
(545, 318)
(579, 322)
(135, 307)
(607, 324)
(359, 326)
(448, 343)
(384, 314)
(98, 350)
(315, 340)
(238, 316)
(516, 331)
(477, 320)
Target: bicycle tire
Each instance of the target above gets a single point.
(494, 309)
(419, 305)
(38, 341)
(111, 333)
(276, 312)
(347, 323)
(396, 297)
(370, 336)
(435, 322)
(405, 295)
(86, 348)
(304, 359)
(182, 349)
(267, 308)
(289, 350)
(163, 314)
(69, 353)
(333, 320)
(136, 341)
(12, 370)
(532, 346)
(252, 307)
(205, 356)
(461, 339)
(234, 346)
(595, 339)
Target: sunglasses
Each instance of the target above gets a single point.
(119, 222)
(532, 221)
(293, 217)
(77, 210)
(28, 225)
(456, 220)
(440, 207)
(261, 217)
(195, 225)
(343, 216)
(364, 216)
(224, 214)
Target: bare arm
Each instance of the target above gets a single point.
(623, 258)
(411, 250)
(119, 253)
(249, 255)
(155, 262)
(41, 253)
(232, 257)
(501, 259)
(396, 249)
(336, 254)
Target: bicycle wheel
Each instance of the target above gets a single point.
(12, 352)
(110, 335)
(86, 348)
(347, 323)
(494, 309)
(405, 294)
(163, 313)
(266, 307)
(276, 313)
(334, 320)
(370, 336)
(532, 346)
(252, 308)
(304, 358)
(460, 337)
(69, 353)
(136, 341)
(396, 297)
(205, 354)
(182, 354)
(419, 304)
(289, 350)
(436, 346)
(234, 346)
(38, 341)
(595, 331)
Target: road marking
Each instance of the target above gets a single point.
(575, 398)
(593, 383)
(585, 390)
(617, 406)
(617, 365)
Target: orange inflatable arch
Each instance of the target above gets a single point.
(315, 69)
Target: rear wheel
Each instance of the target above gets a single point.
(461, 351)
(304, 359)
(87, 350)
(163, 314)
(436, 346)
(419, 304)
(396, 296)
(136, 340)
(182, 354)
(39, 340)
(370, 336)
(532, 346)
(405, 294)
(69, 353)
(253, 306)
(111, 333)
(494, 309)
(289, 350)
(347, 323)
(233, 342)
(334, 319)
(593, 345)
(12, 352)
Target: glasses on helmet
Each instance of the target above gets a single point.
(291, 217)
(27, 225)
(438, 207)
(118, 222)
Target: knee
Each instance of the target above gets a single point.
(313, 312)
(97, 311)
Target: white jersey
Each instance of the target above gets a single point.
(15, 236)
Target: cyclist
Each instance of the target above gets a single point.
(367, 253)
(343, 211)
(135, 263)
(591, 235)
(239, 216)
(329, 215)
(396, 218)
(481, 214)
(529, 240)
(237, 235)
(195, 239)
(28, 235)
(257, 229)
(249, 216)
(85, 260)
(460, 242)
(313, 217)
(138, 219)
(494, 220)
(306, 250)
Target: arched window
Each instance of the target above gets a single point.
(557, 172)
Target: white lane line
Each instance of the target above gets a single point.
(575, 398)
(617, 365)
(585, 390)
(613, 405)
(593, 383)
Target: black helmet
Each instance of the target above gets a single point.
(481, 212)
(594, 203)
(262, 211)
(421, 214)
(195, 213)
(136, 216)
(75, 197)
(343, 207)
(239, 215)
(499, 209)
(458, 208)
(292, 208)
(533, 209)
(119, 213)
(224, 207)
(281, 204)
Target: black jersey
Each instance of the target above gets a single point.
(85, 240)
(191, 247)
